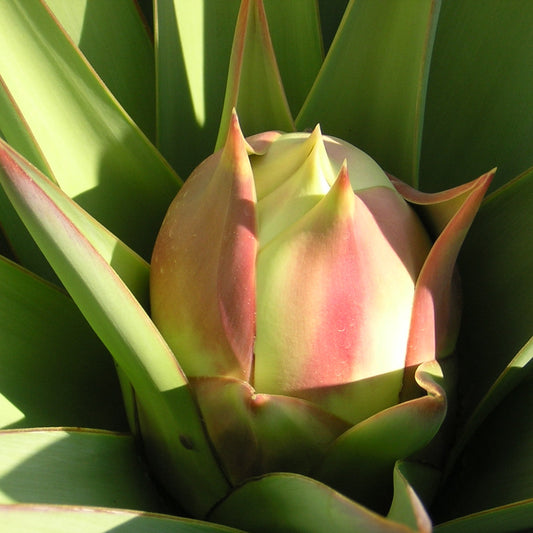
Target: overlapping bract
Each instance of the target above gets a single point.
(295, 285)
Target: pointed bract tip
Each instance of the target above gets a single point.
(342, 177)
(235, 137)
(317, 130)
(341, 191)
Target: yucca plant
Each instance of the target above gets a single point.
(98, 119)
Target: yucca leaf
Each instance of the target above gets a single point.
(54, 372)
(74, 467)
(371, 88)
(479, 100)
(174, 437)
(19, 243)
(16, 129)
(505, 519)
(368, 451)
(193, 46)
(253, 71)
(516, 371)
(132, 269)
(298, 47)
(96, 153)
(495, 468)
(123, 59)
(406, 507)
(331, 13)
(289, 502)
(495, 266)
(64, 519)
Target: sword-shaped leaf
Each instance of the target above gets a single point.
(55, 372)
(94, 150)
(371, 88)
(172, 430)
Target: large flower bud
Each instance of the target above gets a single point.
(295, 284)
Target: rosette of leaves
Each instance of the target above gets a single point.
(105, 107)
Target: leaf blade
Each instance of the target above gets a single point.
(371, 88)
(103, 159)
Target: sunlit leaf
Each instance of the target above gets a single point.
(175, 437)
(371, 88)
(288, 502)
(64, 519)
(74, 467)
(123, 59)
(253, 71)
(193, 46)
(94, 150)
(54, 372)
(298, 47)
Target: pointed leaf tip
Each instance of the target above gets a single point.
(435, 319)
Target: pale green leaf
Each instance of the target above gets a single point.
(133, 270)
(479, 101)
(295, 31)
(114, 39)
(174, 436)
(371, 88)
(193, 46)
(406, 507)
(19, 245)
(361, 461)
(254, 87)
(286, 503)
(51, 367)
(64, 519)
(94, 150)
(74, 467)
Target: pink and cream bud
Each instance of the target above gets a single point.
(291, 275)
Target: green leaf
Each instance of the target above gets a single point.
(21, 245)
(516, 371)
(495, 468)
(16, 129)
(60, 519)
(123, 59)
(495, 266)
(406, 507)
(174, 436)
(371, 88)
(478, 112)
(74, 467)
(331, 12)
(298, 46)
(369, 450)
(506, 519)
(253, 71)
(51, 368)
(193, 45)
(286, 503)
(132, 269)
(96, 153)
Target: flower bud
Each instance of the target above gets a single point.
(290, 276)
